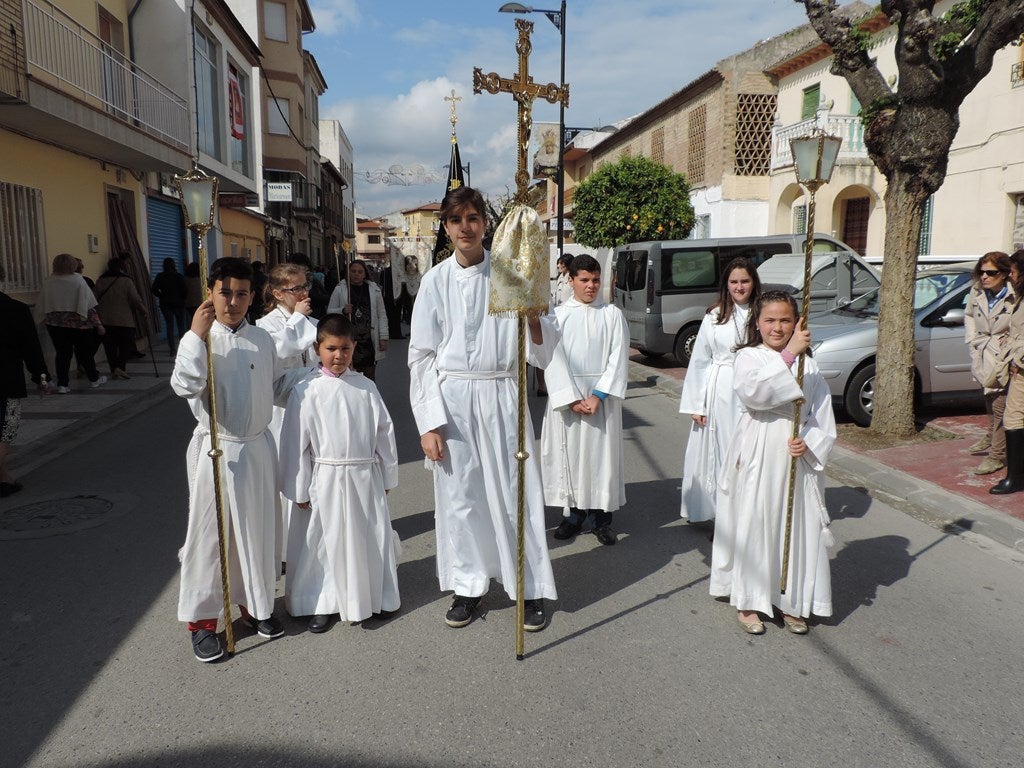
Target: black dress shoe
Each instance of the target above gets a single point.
(566, 529)
(534, 617)
(267, 627)
(321, 622)
(605, 536)
(206, 645)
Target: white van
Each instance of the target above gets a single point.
(665, 287)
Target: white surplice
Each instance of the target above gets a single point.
(581, 456)
(464, 382)
(708, 392)
(746, 560)
(293, 334)
(338, 452)
(247, 376)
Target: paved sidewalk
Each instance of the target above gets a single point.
(932, 481)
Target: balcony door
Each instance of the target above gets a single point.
(113, 65)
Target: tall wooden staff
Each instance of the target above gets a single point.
(198, 193)
(519, 285)
(814, 158)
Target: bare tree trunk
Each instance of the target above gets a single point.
(894, 379)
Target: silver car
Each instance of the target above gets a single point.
(844, 341)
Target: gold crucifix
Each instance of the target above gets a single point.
(454, 118)
(524, 91)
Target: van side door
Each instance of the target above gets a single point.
(631, 278)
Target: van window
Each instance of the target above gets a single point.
(756, 253)
(688, 268)
(631, 271)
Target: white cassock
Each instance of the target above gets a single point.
(581, 456)
(247, 377)
(464, 381)
(746, 558)
(338, 452)
(708, 392)
(293, 334)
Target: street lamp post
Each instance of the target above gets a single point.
(198, 194)
(558, 19)
(814, 159)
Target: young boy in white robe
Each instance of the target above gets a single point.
(338, 460)
(247, 377)
(464, 395)
(581, 439)
(747, 554)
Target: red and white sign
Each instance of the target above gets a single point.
(237, 108)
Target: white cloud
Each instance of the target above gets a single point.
(332, 16)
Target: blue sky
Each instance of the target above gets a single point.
(389, 64)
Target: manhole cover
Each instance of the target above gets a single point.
(55, 516)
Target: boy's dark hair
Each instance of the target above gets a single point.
(334, 324)
(584, 263)
(565, 260)
(754, 338)
(229, 267)
(725, 304)
(459, 197)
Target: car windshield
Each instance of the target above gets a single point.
(927, 288)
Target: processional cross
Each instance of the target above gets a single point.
(524, 91)
(522, 267)
(454, 118)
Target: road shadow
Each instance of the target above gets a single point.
(847, 502)
(267, 757)
(861, 567)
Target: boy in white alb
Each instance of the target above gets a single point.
(581, 440)
(338, 460)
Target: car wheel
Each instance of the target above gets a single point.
(860, 396)
(648, 353)
(685, 340)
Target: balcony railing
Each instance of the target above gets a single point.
(848, 127)
(306, 198)
(83, 65)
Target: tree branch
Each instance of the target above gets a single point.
(1000, 24)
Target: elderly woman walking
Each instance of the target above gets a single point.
(68, 309)
(987, 327)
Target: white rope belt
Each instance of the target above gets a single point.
(344, 462)
(475, 375)
(231, 438)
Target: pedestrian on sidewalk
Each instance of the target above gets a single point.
(746, 556)
(169, 288)
(338, 461)
(118, 304)
(247, 377)
(708, 395)
(1013, 357)
(67, 307)
(464, 394)
(581, 439)
(19, 349)
(987, 328)
(362, 302)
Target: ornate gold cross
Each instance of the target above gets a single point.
(524, 91)
(454, 118)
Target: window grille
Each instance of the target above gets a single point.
(658, 145)
(799, 219)
(755, 115)
(924, 242)
(696, 148)
(22, 238)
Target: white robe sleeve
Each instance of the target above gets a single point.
(695, 383)
(819, 427)
(381, 315)
(296, 462)
(190, 373)
(763, 381)
(615, 377)
(387, 451)
(561, 386)
(295, 337)
(539, 355)
(425, 337)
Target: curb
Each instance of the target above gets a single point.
(948, 512)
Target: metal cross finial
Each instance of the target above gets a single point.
(454, 118)
(524, 91)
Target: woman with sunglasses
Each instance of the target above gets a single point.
(987, 326)
(287, 320)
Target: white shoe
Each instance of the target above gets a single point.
(63, 390)
(99, 382)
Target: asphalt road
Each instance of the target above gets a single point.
(639, 667)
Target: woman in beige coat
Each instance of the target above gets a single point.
(118, 304)
(1013, 416)
(987, 325)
